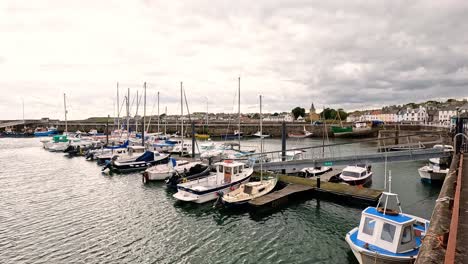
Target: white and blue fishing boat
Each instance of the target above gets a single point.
(387, 235)
(229, 176)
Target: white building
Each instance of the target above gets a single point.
(446, 114)
(280, 118)
(418, 115)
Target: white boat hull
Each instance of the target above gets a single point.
(210, 196)
(429, 174)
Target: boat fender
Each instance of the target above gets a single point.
(145, 177)
(232, 188)
(220, 193)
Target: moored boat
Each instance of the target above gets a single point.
(359, 174)
(432, 173)
(147, 159)
(315, 171)
(387, 235)
(229, 175)
(250, 190)
(303, 134)
(166, 170)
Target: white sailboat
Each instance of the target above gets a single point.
(251, 190)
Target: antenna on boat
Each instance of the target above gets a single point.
(385, 174)
(389, 181)
(261, 140)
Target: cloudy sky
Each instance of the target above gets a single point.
(351, 54)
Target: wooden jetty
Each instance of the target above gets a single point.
(335, 191)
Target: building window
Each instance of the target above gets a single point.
(369, 225)
(388, 232)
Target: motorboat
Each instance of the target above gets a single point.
(188, 172)
(229, 176)
(139, 163)
(359, 174)
(314, 171)
(235, 135)
(432, 173)
(202, 136)
(387, 235)
(248, 191)
(164, 171)
(439, 161)
(105, 150)
(121, 154)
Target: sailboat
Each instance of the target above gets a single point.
(387, 235)
(250, 190)
(237, 133)
(304, 134)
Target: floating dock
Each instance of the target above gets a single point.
(339, 192)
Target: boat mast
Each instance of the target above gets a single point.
(65, 107)
(128, 113)
(206, 115)
(144, 116)
(165, 122)
(239, 113)
(181, 119)
(118, 108)
(158, 112)
(261, 140)
(136, 113)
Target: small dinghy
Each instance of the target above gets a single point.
(149, 158)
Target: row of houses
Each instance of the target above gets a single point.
(422, 115)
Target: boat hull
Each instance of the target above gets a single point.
(210, 195)
(429, 175)
(364, 181)
(368, 257)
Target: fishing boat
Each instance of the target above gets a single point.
(248, 191)
(229, 175)
(45, 132)
(339, 130)
(164, 171)
(314, 171)
(359, 174)
(147, 159)
(303, 134)
(387, 235)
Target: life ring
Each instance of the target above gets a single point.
(387, 211)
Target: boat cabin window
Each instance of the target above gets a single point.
(388, 232)
(351, 174)
(240, 169)
(369, 225)
(407, 235)
(220, 168)
(236, 170)
(363, 174)
(248, 189)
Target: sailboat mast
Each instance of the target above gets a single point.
(206, 116)
(158, 112)
(261, 140)
(144, 116)
(118, 108)
(239, 113)
(165, 122)
(65, 107)
(136, 112)
(181, 119)
(128, 112)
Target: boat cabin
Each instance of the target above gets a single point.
(136, 150)
(229, 169)
(389, 230)
(355, 171)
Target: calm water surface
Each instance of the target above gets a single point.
(54, 209)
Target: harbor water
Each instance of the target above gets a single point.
(55, 209)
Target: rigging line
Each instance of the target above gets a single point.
(152, 110)
(233, 109)
(190, 119)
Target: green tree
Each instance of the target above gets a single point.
(275, 114)
(298, 111)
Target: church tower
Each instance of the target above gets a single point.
(313, 116)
